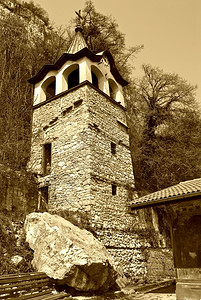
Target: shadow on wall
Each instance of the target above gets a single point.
(77, 218)
(19, 193)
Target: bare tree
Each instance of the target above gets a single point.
(164, 118)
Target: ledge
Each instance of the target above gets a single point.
(86, 82)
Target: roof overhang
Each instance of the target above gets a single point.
(165, 201)
(85, 52)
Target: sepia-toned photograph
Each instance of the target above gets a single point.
(100, 149)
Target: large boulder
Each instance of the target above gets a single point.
(68, 254)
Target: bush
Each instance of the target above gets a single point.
(9, 247)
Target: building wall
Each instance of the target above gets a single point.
(81, 124)
(63, 123)
(186, 232)
(86, 66)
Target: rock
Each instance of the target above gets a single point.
(69, 254)
(16, 260)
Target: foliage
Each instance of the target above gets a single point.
(166, 131)
(101, 33)
(37, 11)
(23, 7)
(22, 53)
(14, 92)
(9, 248)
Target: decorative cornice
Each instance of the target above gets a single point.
(85, 52)
(86, 82)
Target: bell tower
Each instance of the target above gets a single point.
(80, 142)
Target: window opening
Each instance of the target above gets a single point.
(113, 148)
(44, 194)
(78, 103)
(94, 79)
(112, 93)
(112, 89)
(50, 90)
(73, 79)
(114, 189)
(47, 153)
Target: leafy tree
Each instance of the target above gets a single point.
(166, 132)
(101, 33)
(14, 92)
(22, 53)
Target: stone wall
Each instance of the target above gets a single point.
(63, 123)
(81, 124)
(81, 148)
(142, 252)
(19, 192)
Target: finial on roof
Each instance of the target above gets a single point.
(78, 28)
(78, 21)
(78, 42)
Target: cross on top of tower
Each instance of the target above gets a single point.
(78, 19)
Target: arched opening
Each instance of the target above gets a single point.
(97, 77)
(73, 78)
(113, 88)
(94, 79)
(70, 77)
(49, 88)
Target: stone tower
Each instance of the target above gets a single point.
(80, 144)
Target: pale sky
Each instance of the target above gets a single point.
(170, 31)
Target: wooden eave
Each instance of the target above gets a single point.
(85, 52)
(165, 201)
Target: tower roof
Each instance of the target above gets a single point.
(79, 49)
(78, 42)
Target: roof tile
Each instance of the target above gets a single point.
(180, 190)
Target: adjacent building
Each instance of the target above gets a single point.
(182, 203)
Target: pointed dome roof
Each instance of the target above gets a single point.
(78, 42)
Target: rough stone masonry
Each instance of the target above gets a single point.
(80, 125)
(81, 155)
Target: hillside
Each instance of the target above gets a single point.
(26, 45)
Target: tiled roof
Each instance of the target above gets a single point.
(185, 189)
(78, 43)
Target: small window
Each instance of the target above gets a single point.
(47, 153)
(114, 189)
(113, 148)
(94, 79)
(44, 194)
